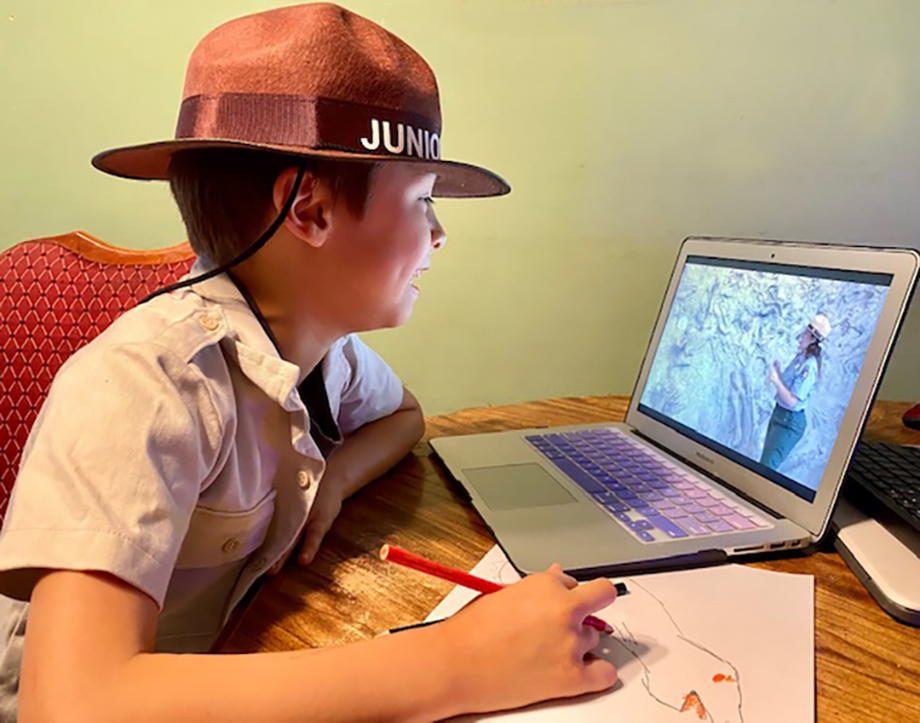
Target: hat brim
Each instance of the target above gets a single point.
(150, 162)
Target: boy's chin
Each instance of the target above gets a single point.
(394, 317)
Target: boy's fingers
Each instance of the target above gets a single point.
(276, 568)
(590, 639)
(599, 674)
(311, 542)
(595, 595)
(567, 580)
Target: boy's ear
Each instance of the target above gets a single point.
(310, 217)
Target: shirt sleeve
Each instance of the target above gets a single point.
(112, 470)
(373, 390)
(804, 380)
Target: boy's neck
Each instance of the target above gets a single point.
(301, 334)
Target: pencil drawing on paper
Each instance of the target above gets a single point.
(678, 673)
(503, 571)
(691, 678)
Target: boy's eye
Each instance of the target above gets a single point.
(429, 200)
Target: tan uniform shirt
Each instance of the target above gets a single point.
(174, 452)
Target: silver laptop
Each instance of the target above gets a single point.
(753, 392)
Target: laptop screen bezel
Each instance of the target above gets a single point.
(814, 516)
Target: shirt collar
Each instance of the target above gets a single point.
(255, 351)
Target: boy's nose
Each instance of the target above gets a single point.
(438, 236)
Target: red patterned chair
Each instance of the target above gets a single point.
(55, 295)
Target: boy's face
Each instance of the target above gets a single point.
(373, 261)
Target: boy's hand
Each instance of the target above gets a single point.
(528, 643)
(325, 509)
(365, 455)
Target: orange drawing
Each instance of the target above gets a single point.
(691, 677)
(692, 702)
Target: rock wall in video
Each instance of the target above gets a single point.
(727, 325)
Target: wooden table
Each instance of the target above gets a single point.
(868, 665)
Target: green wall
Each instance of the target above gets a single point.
(622, 126)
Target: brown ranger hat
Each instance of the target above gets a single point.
(309, 80)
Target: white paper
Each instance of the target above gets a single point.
(728, 644)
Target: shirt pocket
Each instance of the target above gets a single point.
(216, 537)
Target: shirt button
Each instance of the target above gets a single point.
(209, 322)
(231, 545)
(259, 563)
(303, 479)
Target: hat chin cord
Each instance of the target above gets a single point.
(249, 252)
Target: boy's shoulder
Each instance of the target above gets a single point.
(181, 323)
(172, 337)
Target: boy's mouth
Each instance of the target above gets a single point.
(416, 275)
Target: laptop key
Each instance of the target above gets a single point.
(758, 521)
(721, 526)
(706, 517)
(739, 522)
(640, 525)
(707, 501)
(720, 510)
(579, 476)
(669, 528)
(695, 528)
(644, 535)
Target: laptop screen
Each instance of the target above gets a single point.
(758, 361)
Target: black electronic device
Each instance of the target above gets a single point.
(887, 474)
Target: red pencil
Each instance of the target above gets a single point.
(458, 577)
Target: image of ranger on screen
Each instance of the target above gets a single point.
(794, 386)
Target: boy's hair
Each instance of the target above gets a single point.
(225, 195)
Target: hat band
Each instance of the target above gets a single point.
(310, 122)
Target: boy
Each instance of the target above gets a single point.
(182, 453)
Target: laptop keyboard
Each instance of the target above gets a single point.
(648, 495)
(890, 473)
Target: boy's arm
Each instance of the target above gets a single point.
(89, 635)
(86, 659)
(374, 448)
(365, 455)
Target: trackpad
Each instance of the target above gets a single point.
(514, 486)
